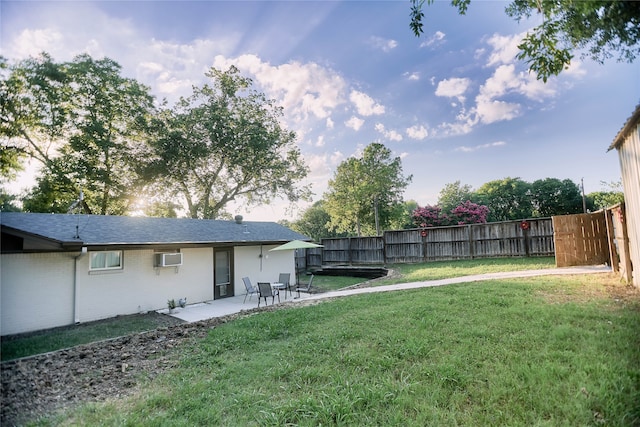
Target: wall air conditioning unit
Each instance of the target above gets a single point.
(168, 259)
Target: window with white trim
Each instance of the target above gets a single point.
(106, 260)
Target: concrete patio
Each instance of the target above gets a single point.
(223, 307)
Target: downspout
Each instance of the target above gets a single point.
(76, 298)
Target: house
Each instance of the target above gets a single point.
(58, 270)
(627, 143)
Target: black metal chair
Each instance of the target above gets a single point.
(267, 291)
(250, 289)
(304, 288)
(285, 279)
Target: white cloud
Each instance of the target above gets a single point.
(392, 135)
(415, 76)
(453, 88)
(386, 45)
(435, 39)
(505, 48)
(303, 89)
(417, 132)
(320, 141)
(365, 105)
(330, 124)
(33, 42)
(466, 149)
(354, 123)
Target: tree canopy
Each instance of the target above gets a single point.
(222, 143)
(366, 193)
(95, 131)
(597, 27)
(80, 121)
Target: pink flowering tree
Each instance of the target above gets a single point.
(429, 216)
(469, 213)
(465, 213)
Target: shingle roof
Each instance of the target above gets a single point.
(121, 230)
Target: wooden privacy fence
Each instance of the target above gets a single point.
(581, 239)
(533, 237)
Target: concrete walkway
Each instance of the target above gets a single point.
(226, 306)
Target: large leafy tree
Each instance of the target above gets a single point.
(34, 111)
(551, 196)
(507, 199)
(597, 27)
(223, 143)
(453, 195)
(314, 223)
(81, 121)
(366, 192)
(611, 194)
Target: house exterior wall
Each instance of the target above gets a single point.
(141, 287)
(248, 263)
(629, 156)
(45, 290)
(36, 291)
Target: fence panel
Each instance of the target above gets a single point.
(403, 246)
(367, 250)
(447, 243)
(580, 239)
(533, 237)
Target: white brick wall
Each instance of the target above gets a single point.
(36, 292)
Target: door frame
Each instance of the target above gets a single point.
(230, 286)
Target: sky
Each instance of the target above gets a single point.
(454, 104)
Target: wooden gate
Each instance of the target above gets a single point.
(580, 239)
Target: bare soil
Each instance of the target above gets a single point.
(39, 385)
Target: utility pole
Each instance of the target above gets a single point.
(584, 202)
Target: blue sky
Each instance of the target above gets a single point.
(455, 104)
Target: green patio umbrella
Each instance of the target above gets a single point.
(294, 245)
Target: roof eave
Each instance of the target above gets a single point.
(626, 129)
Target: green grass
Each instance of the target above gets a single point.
(332, 283)
(447, 269)
(546, 351)
(54, 339)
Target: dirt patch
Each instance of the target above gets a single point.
(605, 287)
(36, 386)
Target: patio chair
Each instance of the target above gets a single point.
(267, 291)
(285, 279)
(304, 288)
(250, 289)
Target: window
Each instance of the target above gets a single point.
(107, 260)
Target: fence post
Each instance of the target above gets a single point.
(613, 255)
(526, 236)
(471, 245)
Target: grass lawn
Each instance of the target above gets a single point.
(543, 351)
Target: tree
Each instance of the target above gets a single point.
(366, 192)
(596, 26)
(315, 223)
(465, 213)
(223, 143)
(429, 216)
(403, 219)
(611, 195)
(507, 199)
(34, 113)
(469, 213)
(550, 196)
(107, 112)
(80, 120)
(454, 194)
